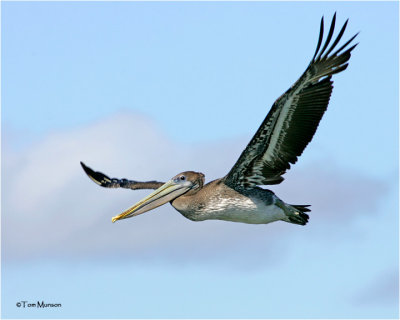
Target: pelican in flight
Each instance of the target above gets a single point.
(278, 142)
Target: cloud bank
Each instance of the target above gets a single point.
(51, 209)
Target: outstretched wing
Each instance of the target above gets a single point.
(102, 180)
(293, 118)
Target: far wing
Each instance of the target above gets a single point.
(293, 118)
(104, 181)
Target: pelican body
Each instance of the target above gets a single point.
(283, 135)
(216, 200)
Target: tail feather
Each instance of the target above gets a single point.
(299, 216)
(302, 207)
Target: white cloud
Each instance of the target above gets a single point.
(51, 209)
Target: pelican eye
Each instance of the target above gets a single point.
(182, 178)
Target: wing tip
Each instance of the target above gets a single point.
(319, 53)
(92, 175)
(85, 168)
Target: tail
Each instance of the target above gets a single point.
(298, 214)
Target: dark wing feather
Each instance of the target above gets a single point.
(293, 118)
(104, 181)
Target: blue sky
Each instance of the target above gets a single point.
(146, 90)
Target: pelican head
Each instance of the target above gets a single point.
(187, 182)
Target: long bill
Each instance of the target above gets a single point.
(167, 192)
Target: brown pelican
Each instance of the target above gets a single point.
(280, 140)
